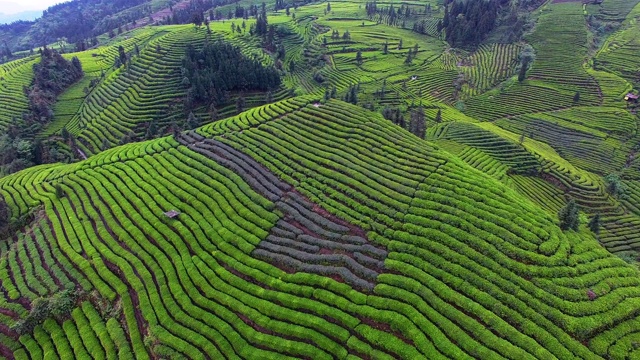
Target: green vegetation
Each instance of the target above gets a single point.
(219, 68)
(460, 248)
(340, 180)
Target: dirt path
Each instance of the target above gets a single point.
(82, 154)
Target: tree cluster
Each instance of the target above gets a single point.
(262, 24)
(194, 12)
(18, 152)
(52, 75)
(615, 186)
(219, 67)
(527, 55)
(335, 34)
(58, 306)
(467, 22)
(352, 94)
(394, 115)
(389, 14)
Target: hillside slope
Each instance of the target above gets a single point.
(318, 232)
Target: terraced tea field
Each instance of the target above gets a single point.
(291, 224)
(286, 247)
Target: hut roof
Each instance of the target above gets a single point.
(172, 214)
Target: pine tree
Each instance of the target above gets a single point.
(385, 48)
(418, 125)
(594, 224)
(523, 70)
(214, 113)
(122, 56)
(438, 118)
(409, 58)
(152, 130)
(576, 97)
(352, 95)
(65, 134)
(59, 191)
(569, 216)
(240, 103)
(192, 121)
(359, 57)
(5, 214)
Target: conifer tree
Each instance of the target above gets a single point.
(594, 224)
(569, 216)
(192, 121)
(418, 125)
(152, 130)
(59, 191)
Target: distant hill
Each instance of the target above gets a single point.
(24, 15)
(74, 21)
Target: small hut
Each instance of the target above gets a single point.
(631, 97)
(172, 214)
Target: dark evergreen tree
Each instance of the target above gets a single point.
(59, 191)
(418, 125)
(352, 95)
(152, 130)
(192, 121)
(359, 57)
(522, 74)
(409, 59)
(122, 55)
(569, 216)
(438, 118)
(594, 224)
(240, 104)
(5, 214)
